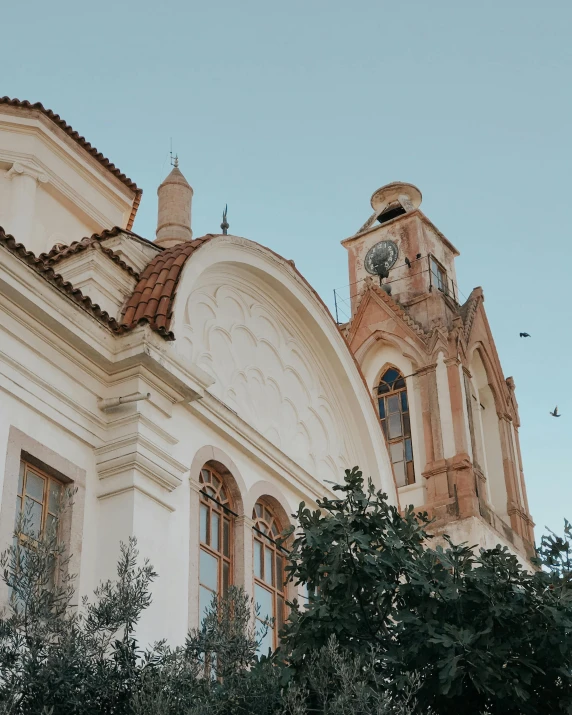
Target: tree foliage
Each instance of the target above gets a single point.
(483, 634)
(394, 627)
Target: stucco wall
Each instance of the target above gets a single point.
(139, 462)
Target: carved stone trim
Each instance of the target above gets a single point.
(28, 168)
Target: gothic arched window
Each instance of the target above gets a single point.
(216, 530)
(394, 415)
(269, 578)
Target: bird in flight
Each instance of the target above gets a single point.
(556, 413)
(407, 262)
(524, 335)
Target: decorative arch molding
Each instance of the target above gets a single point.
(498, 387)
(274, 330)
(269, 493)
(231, 474)
(403, 346)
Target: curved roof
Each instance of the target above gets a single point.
(82, 141)
(152, 299)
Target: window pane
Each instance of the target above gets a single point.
(268, 570)
(399, 469)
(33, 518)
(35, 486)
(406, 425)
(257, 559)
(267, 641)
(396, 451)
(393, 403)
(21, 477)
(215, 530)
(399, 384)
(263, 598)
(382, 388)
(55, 493)
(390, 376)
(381, 404)
(51, 522)
(203, 523)
(384, 427)
(226, 537)
(225, 577)
(394, 425)
(404, 405)
(206, 475)
(209, 570)
(408, 450)
(205, 598)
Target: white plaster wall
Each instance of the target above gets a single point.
(5, 189)
(78, 197)
(49, 386)
(285, 346)
(475, 532)
(58, 221)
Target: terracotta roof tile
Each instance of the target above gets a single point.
(82, 141)
(154, 294)
(47, 273)
(56, 254)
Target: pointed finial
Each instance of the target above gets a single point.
(174, 159)
(224, 225)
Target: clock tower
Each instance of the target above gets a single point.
(449, 416)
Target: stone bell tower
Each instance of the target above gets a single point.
(449, 416)
(423, 271)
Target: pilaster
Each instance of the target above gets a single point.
(457, 394)
(25, 177)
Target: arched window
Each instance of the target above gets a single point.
(394, 416)
(269, 586)
(216, 530)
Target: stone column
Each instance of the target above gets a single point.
(457, 395)
(25, 177)
(435, 471)
(514, 508)
(244, 554)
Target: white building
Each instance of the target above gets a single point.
(242, 384)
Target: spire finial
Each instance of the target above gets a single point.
(174, 159)
(224, 225)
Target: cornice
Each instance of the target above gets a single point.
(426, 369)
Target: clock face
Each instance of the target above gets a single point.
(381, 257)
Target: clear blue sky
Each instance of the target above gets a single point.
(295, 112)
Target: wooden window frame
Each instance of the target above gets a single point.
(442, 275)
(384, 396)
(218, 502)
(22, 495)
(266, 526)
